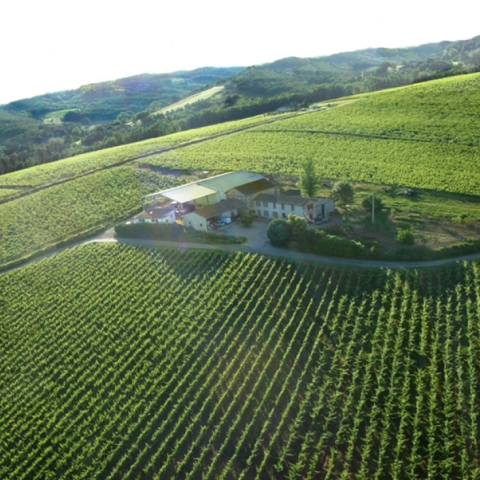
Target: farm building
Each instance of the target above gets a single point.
(218, 199)
(213, 199)
(157, 215)
(280, 206)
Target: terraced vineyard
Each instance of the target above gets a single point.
(159, 363)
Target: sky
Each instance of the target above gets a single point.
(52, 45)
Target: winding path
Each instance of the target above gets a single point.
(289, 254)
(267, 250)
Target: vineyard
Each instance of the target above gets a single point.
(43, 218)
(442, 111)
(70, 167)
(422, 136)
(5, 192)
(161, 363)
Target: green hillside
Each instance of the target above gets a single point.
(61, 124)
(301, 81)
(424, 135)
(105, 100)
(56, 202)
(123, 362)
(81, 164)
(56, 125)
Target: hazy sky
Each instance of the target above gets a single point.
(51, 45)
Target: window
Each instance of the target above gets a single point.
(258, 203)
(265, 204)
(283, 215)
(259, 213)
(275, 215)
(274, 205)
(310, 206)
(265, 213)
(283, 206)
(293, 208)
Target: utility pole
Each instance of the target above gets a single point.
(373, 207)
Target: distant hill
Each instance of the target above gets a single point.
(97, 116)
(104, 101)
(297, 81)
(56, 125)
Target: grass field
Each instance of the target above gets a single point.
(437, 219)
(156, 363)
(56, 117)
(191, 99)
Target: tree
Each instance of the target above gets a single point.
(309, 179)
(342, 193)
(298, 225)
(367, 205)
(278, 232)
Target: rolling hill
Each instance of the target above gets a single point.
(104, 101)
(420, 136)
(58, 125)
(32, 130)
(120, 361)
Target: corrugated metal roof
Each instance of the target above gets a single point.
(185, 193)
(218, 184)
(227, 181)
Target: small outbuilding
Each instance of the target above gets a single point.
(157, 215)
(223, 212)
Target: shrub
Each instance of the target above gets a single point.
(278, 232)
(246, 219)
(342, 193)
(173, 232)
(317, 241)
(298, 225)
(336, 230)
(367, 205)
(405, 237)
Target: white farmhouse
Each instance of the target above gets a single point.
(280, 206)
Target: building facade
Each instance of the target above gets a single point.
(280, 206)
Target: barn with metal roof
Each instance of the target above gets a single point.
(217, 192)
